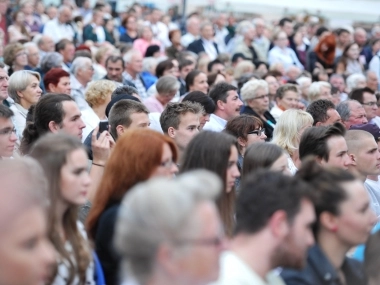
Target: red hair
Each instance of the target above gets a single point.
(53, 76)
(136, 155)
(328, 55)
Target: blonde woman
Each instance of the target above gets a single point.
(287, 134)
(244, 66)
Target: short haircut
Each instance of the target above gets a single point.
(344, 110)
(114, 59)
(129, 55)
(357, 94)
(263, 193)
(249, 89)
(124, 90)
(354, 139)
(201, 98)
(99, 91)
(220, 92)
(283, 21)
(285, 88)
(61, 45)
(163, 66)
(121, 112)
(353, 80)
(53, 76)
(171, 116)
(19, 81)
(190, 77)
(184, 62)
(318, 110)
(5, 112)
(79, 63)
(314, 140)
(167, 84)
(211, 64)
(51, 60)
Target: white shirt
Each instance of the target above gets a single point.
(210, 49)
(187, 39)
(375, 121)
(58, 31)
(91, 120)
(99, 31)
(220, 36)
(276, 112)
(155, 124)
(374, 65)
(19, 118)
(216, 124)
(78, 93)
(160, 32)
(287, 57)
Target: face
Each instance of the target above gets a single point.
(282, 40)
(68, 53)
(232, 106)
(3, 84)
(8, 137)
(293, 251)
(289, 100)
(167, 97)
(260, 103)
(203, 119)
(167, 168)
(131, 24)
(288, 28)
(72, 123)
(31, 94)
(260, 28)
(326, 93)
(281, 164)
(353, 51)
(115, 70)
(139, 120)
(232, 169)
(65, 16)
(361, 38)
(20, 18)
(21, 58)
(187, 129)
(200, 83)
(186, 70)
(86, 72)
(25, 248)
(370, 105)
(273, 84)
(333, 117)
(147, 34)
(338, 153)
(207, 32)
(33, 56)
(218, 68)
(372, 81)
(357, 116)
(344, 38)
(258, 136)
(63, 86)
(136, 63)
(356, 219)
(367, 158)
(338, 82)
(47, 44)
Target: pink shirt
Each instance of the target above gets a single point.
(154, 105)
(142, 45)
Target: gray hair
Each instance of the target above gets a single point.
(79, 63)
(315, 90)
(160, 211)
(375, 30)
(302, 80)
(243, 27)
(51, 60)
(124, 90)
(344, 109)
(30, 44)
(249, 89)
(149, 63)
(167, 84)
(129, 55)
(19, 80)
(353, 79)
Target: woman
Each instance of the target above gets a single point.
(17, 31)
(207, 104)
(24, 89)
(214, 78)
(130, 24)
(256, 100)
(218, 153)
(101, 56)
(141, 154)
(64, 161)
(57, 80)
(243, 67)
(98, 95)
(196, 81)
(32, 22)
(109, 30)
(344, 219)
(145, 39)
(297, 44)
(265, 156)
(349, 62)
(165, 67)
(287, 97)
(280, 53)
(287, 134)
(324, 55)
(15, 57)
(167, 87)
(176, 47)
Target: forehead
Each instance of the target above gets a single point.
(5, 123)
(290, 93)
(231, 94)
(70, 108)
(367, 144)
(369, 96)
(188, 118)
(3, 73)
(118, 63)
(336, 143)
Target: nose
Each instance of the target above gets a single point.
(365, 121)
(82, 125)
(174, 168)
(87, 180)
(236, 173)
(48, 254)
(263, 135)
(13, 137)
(310, 240)
(240, 103)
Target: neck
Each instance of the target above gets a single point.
(373, 177)
(220, 114)
(259, 112)
(296, 159)
(332, 248)
(25, 104)
(160, 99)
(17, 67)
(82, 82)
(247, 41)
(100, 111)
(132, 73)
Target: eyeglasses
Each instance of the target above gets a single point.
(257, 132)
(261, 97)
(217, 241)
(167, 164)
(20, 54)
(7, 132)
(370, 104)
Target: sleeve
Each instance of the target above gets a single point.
(293, 277)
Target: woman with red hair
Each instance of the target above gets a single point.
(57, 80)
(137, 156)
(324, 55)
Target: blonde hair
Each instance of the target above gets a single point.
(244, 66)
(287, 133)
(19, 81)
(98, 92)
(249, 89)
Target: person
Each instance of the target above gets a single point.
(31, 21)
(372, 80)
(371, 259)
(265, 156)
(319, 90)
(45, 44)
(245, 45)
(196, 80)
(254, 93)
(206, 102)
(18, 31)
(143, 224)
(64, 161)
(261, 42)
(367, 98)
(217, 152)
(176, 47)
(23, 221)
(227, 106)
(327, 145)
(57, 80)
(192, 31)
(130, 24)
(95, 31)
(185, 67)
(114, 67)
(287, 97)
(180, 121)
(58, 28)
(349, 62)
(206, 43)
(273, 86)
(144, 40)
(24, 89)
(100, 57)
(15, 57)
(82, 71)
(354, 81)
(339, 227)
(8, 135)
(67, 49)
(274, 216)
(288, 132)
(143, 154)
(323, 56)
(351, 113)
(323, 112)
(132, 72)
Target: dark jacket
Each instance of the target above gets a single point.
(89, 34)
(312, 59)
(197, 47)
(319, 271)
(268, 124)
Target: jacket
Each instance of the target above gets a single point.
(197, 47)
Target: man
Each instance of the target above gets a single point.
(343, 39)
(261, 43)
(59, 28)
(67, 49)
(274, 218)
(33, 54)
(337, 81)
(360, 37)
(185, 67)
(221, 31)
(95, 31)
(159, 29)
(206, 42)
(287, 26)
(180, 121)
(8, 137)
(351, 113)
(372, 80)
(245, 45)
(133, 68)
(192, 31)
(216, 66)
(82, 71)
(45, 44)
(367, 98)
(319, 90)
(227, 103)
(323, 112)
(365, 157)
(183, 249)
(327, 144)
(4, 78)
(115, 68)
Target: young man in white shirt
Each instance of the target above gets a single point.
(8, 137)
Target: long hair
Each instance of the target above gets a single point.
(211, 151)
(136, 155)
(51, 151)
(344, 58)
(328, 55)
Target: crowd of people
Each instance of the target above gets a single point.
(136, 148)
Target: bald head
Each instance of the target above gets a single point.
(360, 36)
(355, 138)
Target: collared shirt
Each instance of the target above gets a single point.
(216, 124)
(187, 39)
(58, 31)
(138, 83)
(99, 31)
(78, 93)
(210, 49)
(285, 56)
(19, 118)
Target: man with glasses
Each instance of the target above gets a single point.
(82, 72)
(33, 54)
(366, 96)
(8, 137)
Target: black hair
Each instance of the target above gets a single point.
(201, 98)
(211, 64)
(357, 94)
(151, 50)
(189, 80)
(318, 110)
(283, 21)
(163, 66)
(220, 92)
(5, 112)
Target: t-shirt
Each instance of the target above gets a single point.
(373, 189)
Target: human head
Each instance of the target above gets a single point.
(33, 54)
(57, 80)
(133, 62)
(280, 206)
(99, 92)
(372, 80)
(82, 69)
(14, 54)
(304, 85)
(185, 66)
(356, 80)
(360, 37)
(167, 87)
(351, 51)
(337, 81)
(367, 98)
(67, 49)
(51, 60)
(287, 96)
(158, 239)
(226, 99)
(24, 87)
(343, 37)
(280, 39)
(243, 67)
(165, 67)
(259, 26)
(205, 101)
(254, 94)
(215, 66)
(115, 67)
(207, 30)
(319, 90)
(323, 112)
(24, 221)
(286, 25)
(273, 84)
(193, 25)
(351, 113)
(196, 81)
(8, 135)
(64, 14)
(326, 47)
(46, 44)
(3, 83)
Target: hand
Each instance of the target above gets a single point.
(102, 146)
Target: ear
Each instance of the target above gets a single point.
(119, 130)
(19, 93)
(53, 127)
(51, 87)
(329, 221)
(166, 258)
(318, 124)
(220, 104)
(353, 158)
(171, 132)
(242, 141)
(279, 225)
